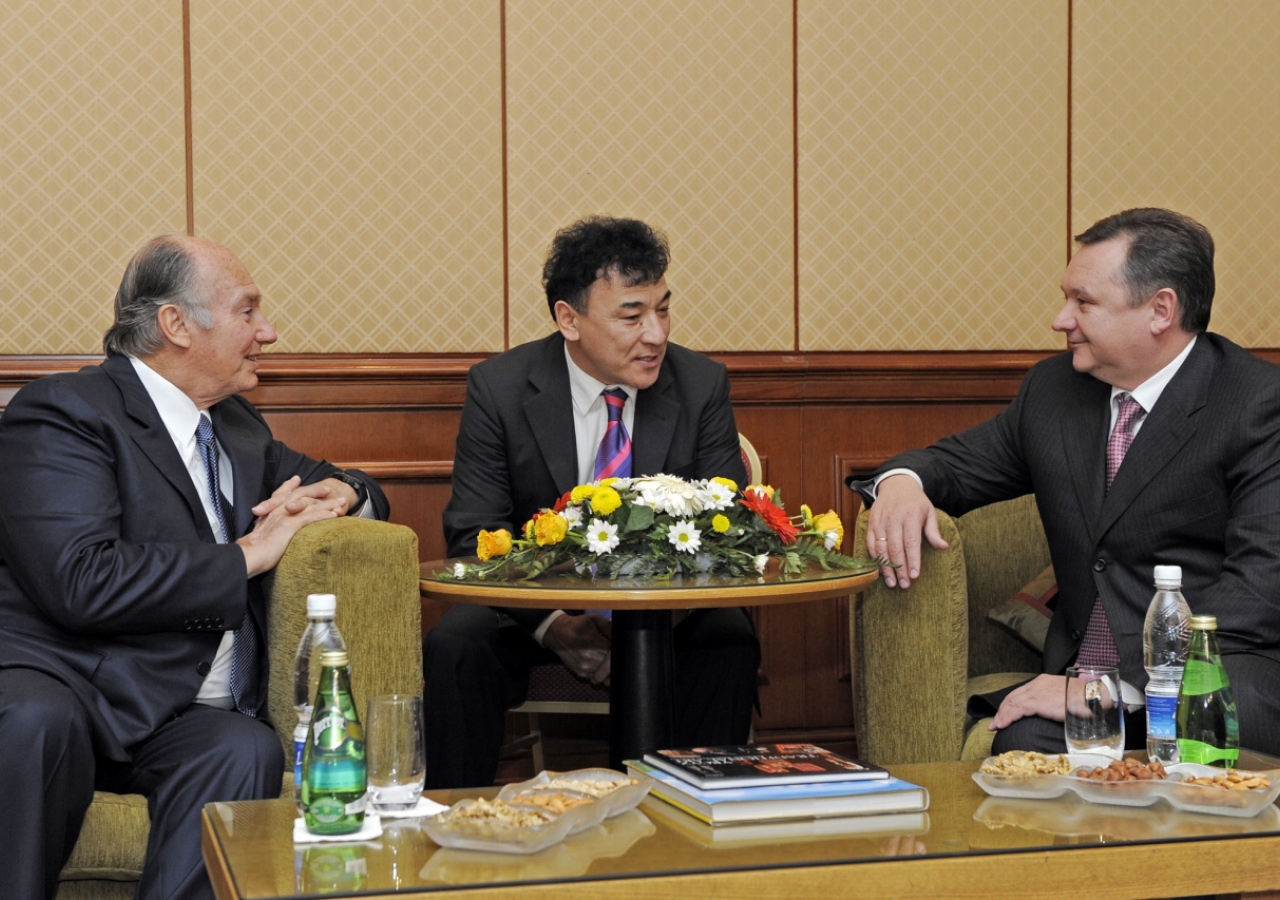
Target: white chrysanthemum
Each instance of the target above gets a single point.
(602, 537)
(684, 537)
(716, 495)
(573, 515)
(459, 570)
(831, 539)
(761, 561)
(620, 484)
(671, 495)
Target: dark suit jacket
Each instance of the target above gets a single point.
(516, 450)
(1199, 488)
(110, 578)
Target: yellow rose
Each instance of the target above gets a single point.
(550, 528)
(581, 492)
(829, 521)
(760, 489)
(720, 523)
(807, 513)
(493, 543)
(605, 500)
(727, 482)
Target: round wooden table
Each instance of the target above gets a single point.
(641, 688)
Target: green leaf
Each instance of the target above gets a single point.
(641, 518)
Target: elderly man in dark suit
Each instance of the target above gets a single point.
(1150, 442)
(540, 419)
(143, 502)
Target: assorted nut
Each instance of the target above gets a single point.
(596, 788)
(1232, 781)
(558, 802)
(498, 811)
(1023, 764)
(1125, 770)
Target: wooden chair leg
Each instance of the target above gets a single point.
(535, 729)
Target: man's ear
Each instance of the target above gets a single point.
(567, 320)
(1164, 311)
(174, 326)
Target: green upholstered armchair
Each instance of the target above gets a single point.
(918, 654)
(373, 569)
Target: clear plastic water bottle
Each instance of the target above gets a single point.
(1164, 648)
(320, 634)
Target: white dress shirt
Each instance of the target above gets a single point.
(181, 416)
(590, 421)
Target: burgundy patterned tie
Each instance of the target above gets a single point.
(613, 459)
(1098, 649)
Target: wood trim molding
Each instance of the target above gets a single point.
(424, 381)
(408, 470)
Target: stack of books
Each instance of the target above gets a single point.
(782, 783)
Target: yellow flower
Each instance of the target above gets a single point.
(550, 528)
(528, 530)
(605, 500)
(829, 521)
(493, 543)
(760, 489)
(720, 523)
(605, 482)
(581, 492)
(807, 513)
(727, 482)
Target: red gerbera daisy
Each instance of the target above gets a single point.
(774, 516)
(563, 502)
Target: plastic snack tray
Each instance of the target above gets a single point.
(449, 830)
(1187, 797)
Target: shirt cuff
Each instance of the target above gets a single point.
(541, 631)
(879, 478)
(365, 511)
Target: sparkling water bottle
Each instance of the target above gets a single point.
(1208, 730)
(321, 634)
(1164, 650)
(335, 778)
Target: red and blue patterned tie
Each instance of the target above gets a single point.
(244, 648)
(1098, 649)
(613, 459)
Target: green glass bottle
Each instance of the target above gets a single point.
(1208, 730)
(334, 775)
(331, 869)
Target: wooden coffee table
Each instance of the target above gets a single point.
(966, 846)
(642, 682)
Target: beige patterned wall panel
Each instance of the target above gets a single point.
(932, 173)
(91, 160)
(1176, 106)
(674, 112)
(350, 152)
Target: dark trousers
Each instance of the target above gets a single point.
(1255, 683)
(476, 669)
(50, 771)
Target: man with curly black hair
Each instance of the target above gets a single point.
(605, 394)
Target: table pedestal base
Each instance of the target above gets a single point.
(641, 691)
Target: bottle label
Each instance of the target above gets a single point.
(358, 805)
(1200, 677)
(328, 810)
(1162, 717)
(1206, 754)
(330, 731)
(299, 748)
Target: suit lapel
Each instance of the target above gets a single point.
(1084, 442)
(655, 425)
(550, 415)
(153, 439)
(246, 466)
(1163, 433)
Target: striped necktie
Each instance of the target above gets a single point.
(244, 649)
(1098, 649)
(613, 459)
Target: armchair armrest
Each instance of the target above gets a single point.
(372, 567)
(912, 649)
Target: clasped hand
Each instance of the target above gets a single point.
(290, 507)
(582, 643)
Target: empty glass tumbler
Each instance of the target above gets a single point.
(396, 761)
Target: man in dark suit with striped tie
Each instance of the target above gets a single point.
(605, 395)
(1152, 441)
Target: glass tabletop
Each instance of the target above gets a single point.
(566, 579)
(657, 839)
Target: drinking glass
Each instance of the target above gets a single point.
(393, 743)
(1095, 714)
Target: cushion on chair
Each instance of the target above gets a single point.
(555, 683)
(1026, 614)
(113, 841)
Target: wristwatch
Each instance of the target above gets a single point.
(351, 481)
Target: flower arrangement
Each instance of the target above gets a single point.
(661, 526)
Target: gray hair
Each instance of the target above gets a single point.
(162, 272)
